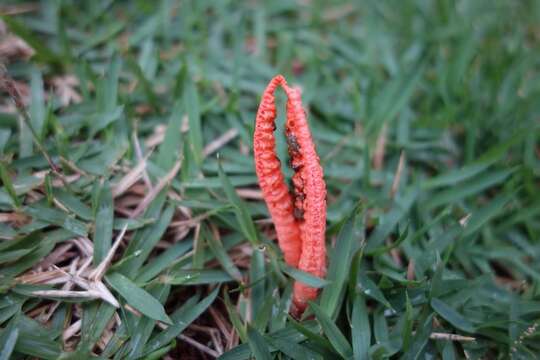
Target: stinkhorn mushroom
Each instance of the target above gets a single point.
(299, 215)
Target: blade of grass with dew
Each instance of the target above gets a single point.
(145, 326)
(163, 261)
(371, 289)
(279, 321)
(151, 238)
(146, 237)
(138, 298)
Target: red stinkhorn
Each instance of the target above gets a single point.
(299, 216)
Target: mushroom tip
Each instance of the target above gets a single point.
(279, 80)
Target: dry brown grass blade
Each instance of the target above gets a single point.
(13, 217)
(214, 334)
(73, 167)
(94, 289)
(86, 294)
(64, 88)
(250, 194)
(464, 220)
(410, 270)
(157, 137)
(55, 276)
(84, 245)
(13, 47)
(397, 176)
(58, 255)
(141, 158)
(380, 148)
(223, 325)
(199, 346)
(99, 271)
(130, 178)
(67, 286)
(56, 182)
(157, 189)
(338, 12)
(219, 142)
(104, 292)
(18, 9)
(71, 330)
(451, 337)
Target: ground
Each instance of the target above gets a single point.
(132, 225)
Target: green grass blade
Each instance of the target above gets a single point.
(452, 316)
(349, 239)
(221, 255)
(305, 277)
(180, 321)
(8, 339)
(360, 329)
(8, 185)
(240, 209)
(486, 213)
(191, 104)
(104, 224)
(138, 298)
(258, 345)
(330, 329)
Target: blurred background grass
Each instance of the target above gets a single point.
(132, 241)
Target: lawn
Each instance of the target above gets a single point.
(131, 220)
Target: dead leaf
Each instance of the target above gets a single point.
(64, 88)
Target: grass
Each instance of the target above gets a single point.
(124, 235)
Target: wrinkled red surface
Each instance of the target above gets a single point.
(299, 216)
